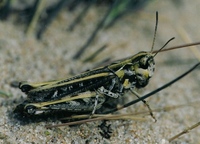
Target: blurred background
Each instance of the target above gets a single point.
(44, 40)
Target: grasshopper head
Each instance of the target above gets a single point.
(144, 70)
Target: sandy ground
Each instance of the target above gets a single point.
(26, 59)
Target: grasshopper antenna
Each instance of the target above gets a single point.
(154, 37)
(156, 27)
(163, 46)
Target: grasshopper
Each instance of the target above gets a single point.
(87, 92)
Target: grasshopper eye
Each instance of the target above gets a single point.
(146, 62)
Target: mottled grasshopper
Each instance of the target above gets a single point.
(88, 92)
